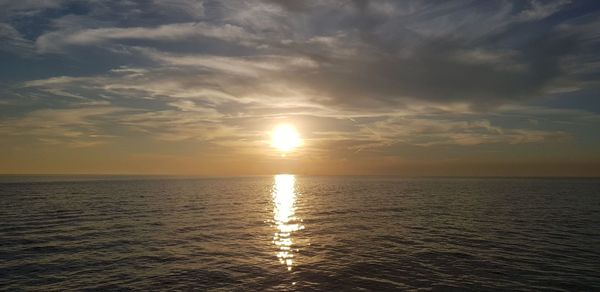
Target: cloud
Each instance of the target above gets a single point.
(56, 40)
(255, 66)
(430, 132)
(386, 73)
(75, 127)
(291, 4)
(12, 41)
(172, 125)
(28, 6)
(367, 54)
(541, 9)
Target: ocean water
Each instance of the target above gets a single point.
(288, 233)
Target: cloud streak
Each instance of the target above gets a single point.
(56, 41)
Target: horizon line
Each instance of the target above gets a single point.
(296, 174)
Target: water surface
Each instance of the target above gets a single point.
(299, 233)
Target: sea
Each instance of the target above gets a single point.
(299, 233)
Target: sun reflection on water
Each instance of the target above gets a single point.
(284, 209)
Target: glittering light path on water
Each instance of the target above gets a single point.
(286, 223)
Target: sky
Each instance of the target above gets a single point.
(189, 87)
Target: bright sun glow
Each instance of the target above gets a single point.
(285, 138)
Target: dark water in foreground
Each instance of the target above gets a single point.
(300, 233)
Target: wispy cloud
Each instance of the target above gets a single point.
(12, 41)
(55, 41)
(542, 9)
(76, 127)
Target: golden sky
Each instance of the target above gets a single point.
(413, 88)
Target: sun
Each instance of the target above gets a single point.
(285, 138)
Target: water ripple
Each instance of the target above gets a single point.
(300, 233)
